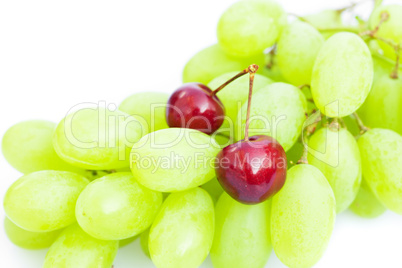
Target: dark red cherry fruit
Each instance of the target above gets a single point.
(252, 170)
(195, 106)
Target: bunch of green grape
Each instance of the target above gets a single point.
(330, 93)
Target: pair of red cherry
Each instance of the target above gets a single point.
(250, 170)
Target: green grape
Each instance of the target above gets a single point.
(182, 233)
(383, 106)
(297, 49)
(390, 29)
(127, 241)
(277, 110)
(234, 96)
(303, 216)
(174, 159)
(97, 139)
(336, 154)
(75, 248)
(212, 62)
(214, 189)
(27, 146)
(248, 27)
(381, 155)
(116, 207)
(366, 204)
(242, 234)
(294, 154)
(342, 75)
(144, 243)
(326, 19)
(26, 239)
(148, 106)
(44, 201)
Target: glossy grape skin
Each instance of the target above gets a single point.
(342, 75)
(212, 62)
(145, 105)
(144, 243)
(87, 138)
(380, 150)
(154, 165)
(297, 50)
(250, 26)
(242, 234)
(282, 107)
(214, 189)
(75, 248)
(27, 146)
(26, 239)
(336, 154)
(44, 201)
(366, 205)
(383, 106)
(303, 216)
(234, 95)
(182, 233)
(116, 207)
(390, 29)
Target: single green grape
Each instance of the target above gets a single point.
(242, 234)
(214, 189)
(390, 29)
(335, 153)
(212, 62)
(97, 139)
(27, 239)
(381, 155)
(325, 20)
(248, 27)
(303, 216)
(144, 243)
(127, 241)
(383, 106)
(366, 204)
(174, 159)
(342, 75)
(147, 107)
(116, 207)
(297, 50)
(234, 95)
(182, 233)
(27, 146)
(44, 201)
(277, 110)
(75, 248)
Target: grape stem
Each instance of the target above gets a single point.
(253, 69)
(309, 131)
(249, 70)
(340, 10)
(272, 50)
(362, 127)
(397, 47)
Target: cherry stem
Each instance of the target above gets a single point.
(253, 69)
(249, 69)
(362, 127)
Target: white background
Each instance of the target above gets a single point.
(55, 54)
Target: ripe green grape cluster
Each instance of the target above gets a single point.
(330, 94)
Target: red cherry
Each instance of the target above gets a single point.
(195, 106)
(252, 171)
